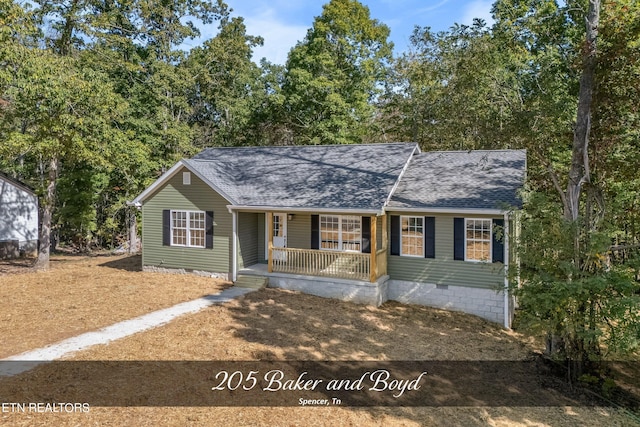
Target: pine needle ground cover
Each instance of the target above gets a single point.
(270, 325)
(82, 294)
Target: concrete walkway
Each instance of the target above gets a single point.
(105, 335)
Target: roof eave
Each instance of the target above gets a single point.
(377, 212)
(477, 211)
(18, 184)
(168, 175)
(156, 184)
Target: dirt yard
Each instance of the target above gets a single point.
(265, 325)
(81, 294)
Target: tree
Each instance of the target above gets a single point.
(454, 90)
(57, 110)
(129, 50)
(225, 85)
(333, 75)
(579, 284)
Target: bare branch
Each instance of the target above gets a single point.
(556, 184)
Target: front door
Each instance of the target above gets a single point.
(279, 235)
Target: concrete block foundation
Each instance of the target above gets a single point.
(359, 292)
(485, 303)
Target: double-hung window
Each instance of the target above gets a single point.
(341, 233)
(477, 240)
(188, 228)
(412, 236)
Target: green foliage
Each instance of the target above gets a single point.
(333, 76)
(224, 93)
(57, 109)
(455, 90)
(592, 307)
(79, 189)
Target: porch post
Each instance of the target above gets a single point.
(234, 246)
(385, 238)
(270, 241)
(373, 273)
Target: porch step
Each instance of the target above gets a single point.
(253, 282)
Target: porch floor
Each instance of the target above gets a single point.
(261, 269)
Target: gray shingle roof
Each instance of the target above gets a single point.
(328, 177)
(462, 179)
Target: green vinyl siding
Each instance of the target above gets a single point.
(443, 270)
(299, 231)
(248, 245)
(197, 196)
(262, 247)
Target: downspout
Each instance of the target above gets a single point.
(507, 312)
(234, 246)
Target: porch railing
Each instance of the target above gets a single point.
(312, 262)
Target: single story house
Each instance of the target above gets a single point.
(18, 218)
(365, 223)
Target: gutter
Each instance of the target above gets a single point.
(446, 210)
(239, 208)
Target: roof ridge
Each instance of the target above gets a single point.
(475, 151)
(310, 146)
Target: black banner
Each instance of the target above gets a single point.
(289, 383)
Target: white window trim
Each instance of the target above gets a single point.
(490, 259)
(188, 245)
(186, 178)
(423, 236)
(340, 241)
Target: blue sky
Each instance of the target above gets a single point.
(282, 23)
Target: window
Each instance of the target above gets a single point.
(186, 178)
(340, 233)
(477, 240)
(351, 233)
(278, 230)
(188, 229)
(412, 235)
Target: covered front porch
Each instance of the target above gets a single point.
(352, 290)
(332, 245)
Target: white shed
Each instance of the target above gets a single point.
(18, 218)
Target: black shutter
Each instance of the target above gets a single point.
(498, 244)
(315, 231)
(458, 239)
(429, 237)
(208, 224)
(395, 235)
(366, 234)
(166, 227)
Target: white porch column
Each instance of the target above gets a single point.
(507, 312)
(234, 246)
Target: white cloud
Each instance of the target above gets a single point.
(279, 37)
(432, 7)
(478, 9)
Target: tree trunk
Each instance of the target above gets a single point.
(42, 263)
(133, 231)
(576, 345)
(579, 172)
